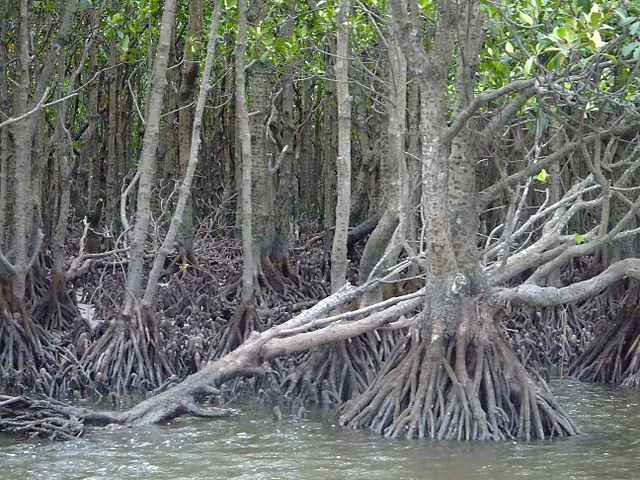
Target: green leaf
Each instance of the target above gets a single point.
(542, 176)
(509, 48)
(528, 65)
(597, 40)
(562, 32)
(579, 238)
(525, 18)
(125, 43)
(627, 49)
(556, 62)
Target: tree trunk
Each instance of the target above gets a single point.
(147, 161)
(112, 188)
(394, 190)
(188, 77)
(22, 140)
(452, 376)
(262, 177)
(4, 134)
(185, 187)
(339, 261)
(286, 191)
(244, 136)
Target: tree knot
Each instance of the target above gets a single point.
(459, 282)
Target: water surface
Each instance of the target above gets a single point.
(254, 446)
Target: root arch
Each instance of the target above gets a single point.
(458, 382)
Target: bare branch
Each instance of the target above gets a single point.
(556, 156)
(355, 313)
(548, 296)
(339, 331)
(461, 119)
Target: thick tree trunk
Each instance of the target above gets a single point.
(455, 377)
(262, 178)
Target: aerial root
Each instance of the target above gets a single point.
(614, 356)
(57, 309)
(244, 321)
(129, 356)
(334, 373)
(459, 386)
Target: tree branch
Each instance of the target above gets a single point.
(548, 296)
(486, 196)
(338, 331)
(461, 119)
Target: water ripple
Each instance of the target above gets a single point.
(251, 446)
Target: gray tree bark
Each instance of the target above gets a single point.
(244, 135)
(189, 74)
(23, 132)
(147, 161)
(185, 187)
(339, 261)
(393, 166)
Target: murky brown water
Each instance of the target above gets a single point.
(253, 446)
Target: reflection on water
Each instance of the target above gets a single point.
(253, 446)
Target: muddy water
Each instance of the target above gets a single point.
(253, 446)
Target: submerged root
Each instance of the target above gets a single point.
(37, 418)
(460, 383)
